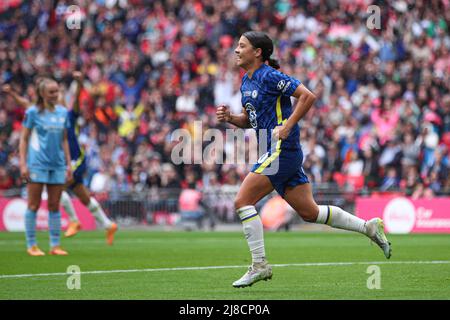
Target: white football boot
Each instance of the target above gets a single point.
(256, 272)
(375, 231)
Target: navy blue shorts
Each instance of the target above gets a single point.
(78, 173)
(283, 168)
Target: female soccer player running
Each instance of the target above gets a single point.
(78, 166)
(267, 107)
(79, 169)
(45, 160)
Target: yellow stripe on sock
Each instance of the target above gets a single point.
(329, 219)
(251, 219)
(244, 215)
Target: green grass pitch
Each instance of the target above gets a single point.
(167, 265)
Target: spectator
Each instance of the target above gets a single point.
(153, 63)
(390, 181)
(6, 182)
(410, 151)
(370, 168)
(391, 154)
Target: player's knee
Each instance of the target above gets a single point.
(33, 207)
(240, 202)
(85, 200)
(310, 214)
(53, 206)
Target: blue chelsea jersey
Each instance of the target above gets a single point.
(45, 149)
(266, 98)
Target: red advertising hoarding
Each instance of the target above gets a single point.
(12, 215)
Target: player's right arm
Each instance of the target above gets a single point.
(21, 101)
(240, 120)
(23, 148)
(27, 127)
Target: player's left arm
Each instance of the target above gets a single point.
(66, 149)
(78, 77)
(305, 100)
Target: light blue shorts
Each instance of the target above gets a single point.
(48, 176)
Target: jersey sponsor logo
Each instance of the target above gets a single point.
(254, 94)
(251, 111)
(281, 85)
(286, 86)
(54, 128)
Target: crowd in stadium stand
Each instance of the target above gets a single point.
(381, 120)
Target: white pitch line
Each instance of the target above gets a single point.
(317, 264)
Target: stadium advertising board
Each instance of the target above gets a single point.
(12, 215)
(404, 215)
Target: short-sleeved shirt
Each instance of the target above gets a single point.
(266, 98)
(45, 149)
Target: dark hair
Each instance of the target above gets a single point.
(261, 40)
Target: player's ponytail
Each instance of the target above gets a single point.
(261, 40)
(274, 63)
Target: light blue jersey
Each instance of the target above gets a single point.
(45, 149)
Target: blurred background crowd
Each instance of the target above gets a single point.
(381, 121)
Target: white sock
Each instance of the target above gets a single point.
(338, 218)
(66, 202)
(97, 211)
(253, 230)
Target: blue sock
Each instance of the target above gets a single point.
(54, 227)
(30, 228)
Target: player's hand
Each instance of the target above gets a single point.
(25, 173)
(223, 113)
(69, 174)
(6, 88)
(281, 132)
(77, 76)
